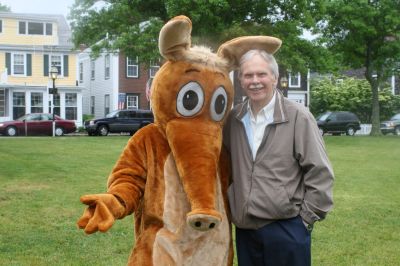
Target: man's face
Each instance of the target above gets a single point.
(257, 80)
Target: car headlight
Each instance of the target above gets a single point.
(91, 122)
(390, 124)
(1, 124)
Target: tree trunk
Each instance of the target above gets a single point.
(375, 130)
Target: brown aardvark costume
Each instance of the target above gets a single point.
(173, 174)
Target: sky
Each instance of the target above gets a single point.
(54, 7)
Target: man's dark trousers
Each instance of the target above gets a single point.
(284, 242)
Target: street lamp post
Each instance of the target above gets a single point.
(284, 85)
(53, 91)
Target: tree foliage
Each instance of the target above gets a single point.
(350, 94)
(132, 26)
(4, 8)
(366, 34)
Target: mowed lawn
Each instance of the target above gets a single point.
(42, 178)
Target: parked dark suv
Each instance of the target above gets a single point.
(392, 125)
(338, 122)
(119, 121)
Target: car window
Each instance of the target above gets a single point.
(353, 116)
(122, 114)
(22, 118)
(125, 114)
(333, 117)
(46, 117)
(33, 117)
(147, 115)
(395, 117)
(323, 117)
(342, 117)
(112, 114)
(131, 114)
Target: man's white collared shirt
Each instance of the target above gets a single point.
(258, 123)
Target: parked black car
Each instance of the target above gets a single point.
(392, 125)
(338, 122)
(119, 121)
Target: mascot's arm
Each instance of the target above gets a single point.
(125, 189)
(128, 178)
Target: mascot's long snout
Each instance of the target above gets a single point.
(199, 174)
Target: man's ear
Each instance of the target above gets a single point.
(234, 49)
(276, 81)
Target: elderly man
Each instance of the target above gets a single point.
(282, 177)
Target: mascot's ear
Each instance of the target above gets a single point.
(234, 49)
(174, 38)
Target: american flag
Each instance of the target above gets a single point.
(121, 101)
(148, 88)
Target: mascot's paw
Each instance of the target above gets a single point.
(100, 215)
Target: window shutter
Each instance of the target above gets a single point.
(46, 65)
(8, 63)
(29, 64)
(65, 65)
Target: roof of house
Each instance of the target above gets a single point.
(64, 31)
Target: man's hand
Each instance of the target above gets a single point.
(102, 211)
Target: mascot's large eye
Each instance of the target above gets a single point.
(219, 102)
(190, 99)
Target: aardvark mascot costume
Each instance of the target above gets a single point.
(173, 174)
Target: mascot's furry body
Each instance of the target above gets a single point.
(173, 174)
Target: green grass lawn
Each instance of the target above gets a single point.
(41, 180)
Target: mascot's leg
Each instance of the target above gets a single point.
(165, 250)
(141, 254)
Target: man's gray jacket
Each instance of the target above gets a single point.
(291, 174)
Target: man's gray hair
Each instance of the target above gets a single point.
(269, 58)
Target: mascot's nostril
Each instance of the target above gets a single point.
(197, 224)
(211, 226)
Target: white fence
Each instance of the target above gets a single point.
(365, 129)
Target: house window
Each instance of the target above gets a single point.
(35, 28)
(22, 27)
(49, 29)
(92, 104)
(56, 104)
(71, 106)
(132, 67)
(294, 80)
(132, 102)
(92, 69)
(80, 72)
(36, 102)
(153, 69)
(18, 64)
(57, 61)
(18, 104)
(107, 66)
(106, 104)
(3, 102)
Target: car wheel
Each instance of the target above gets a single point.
(103, 130)
(397, 131)
(11, 131)
(321, 131)
(59, 131)
(350, 131)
